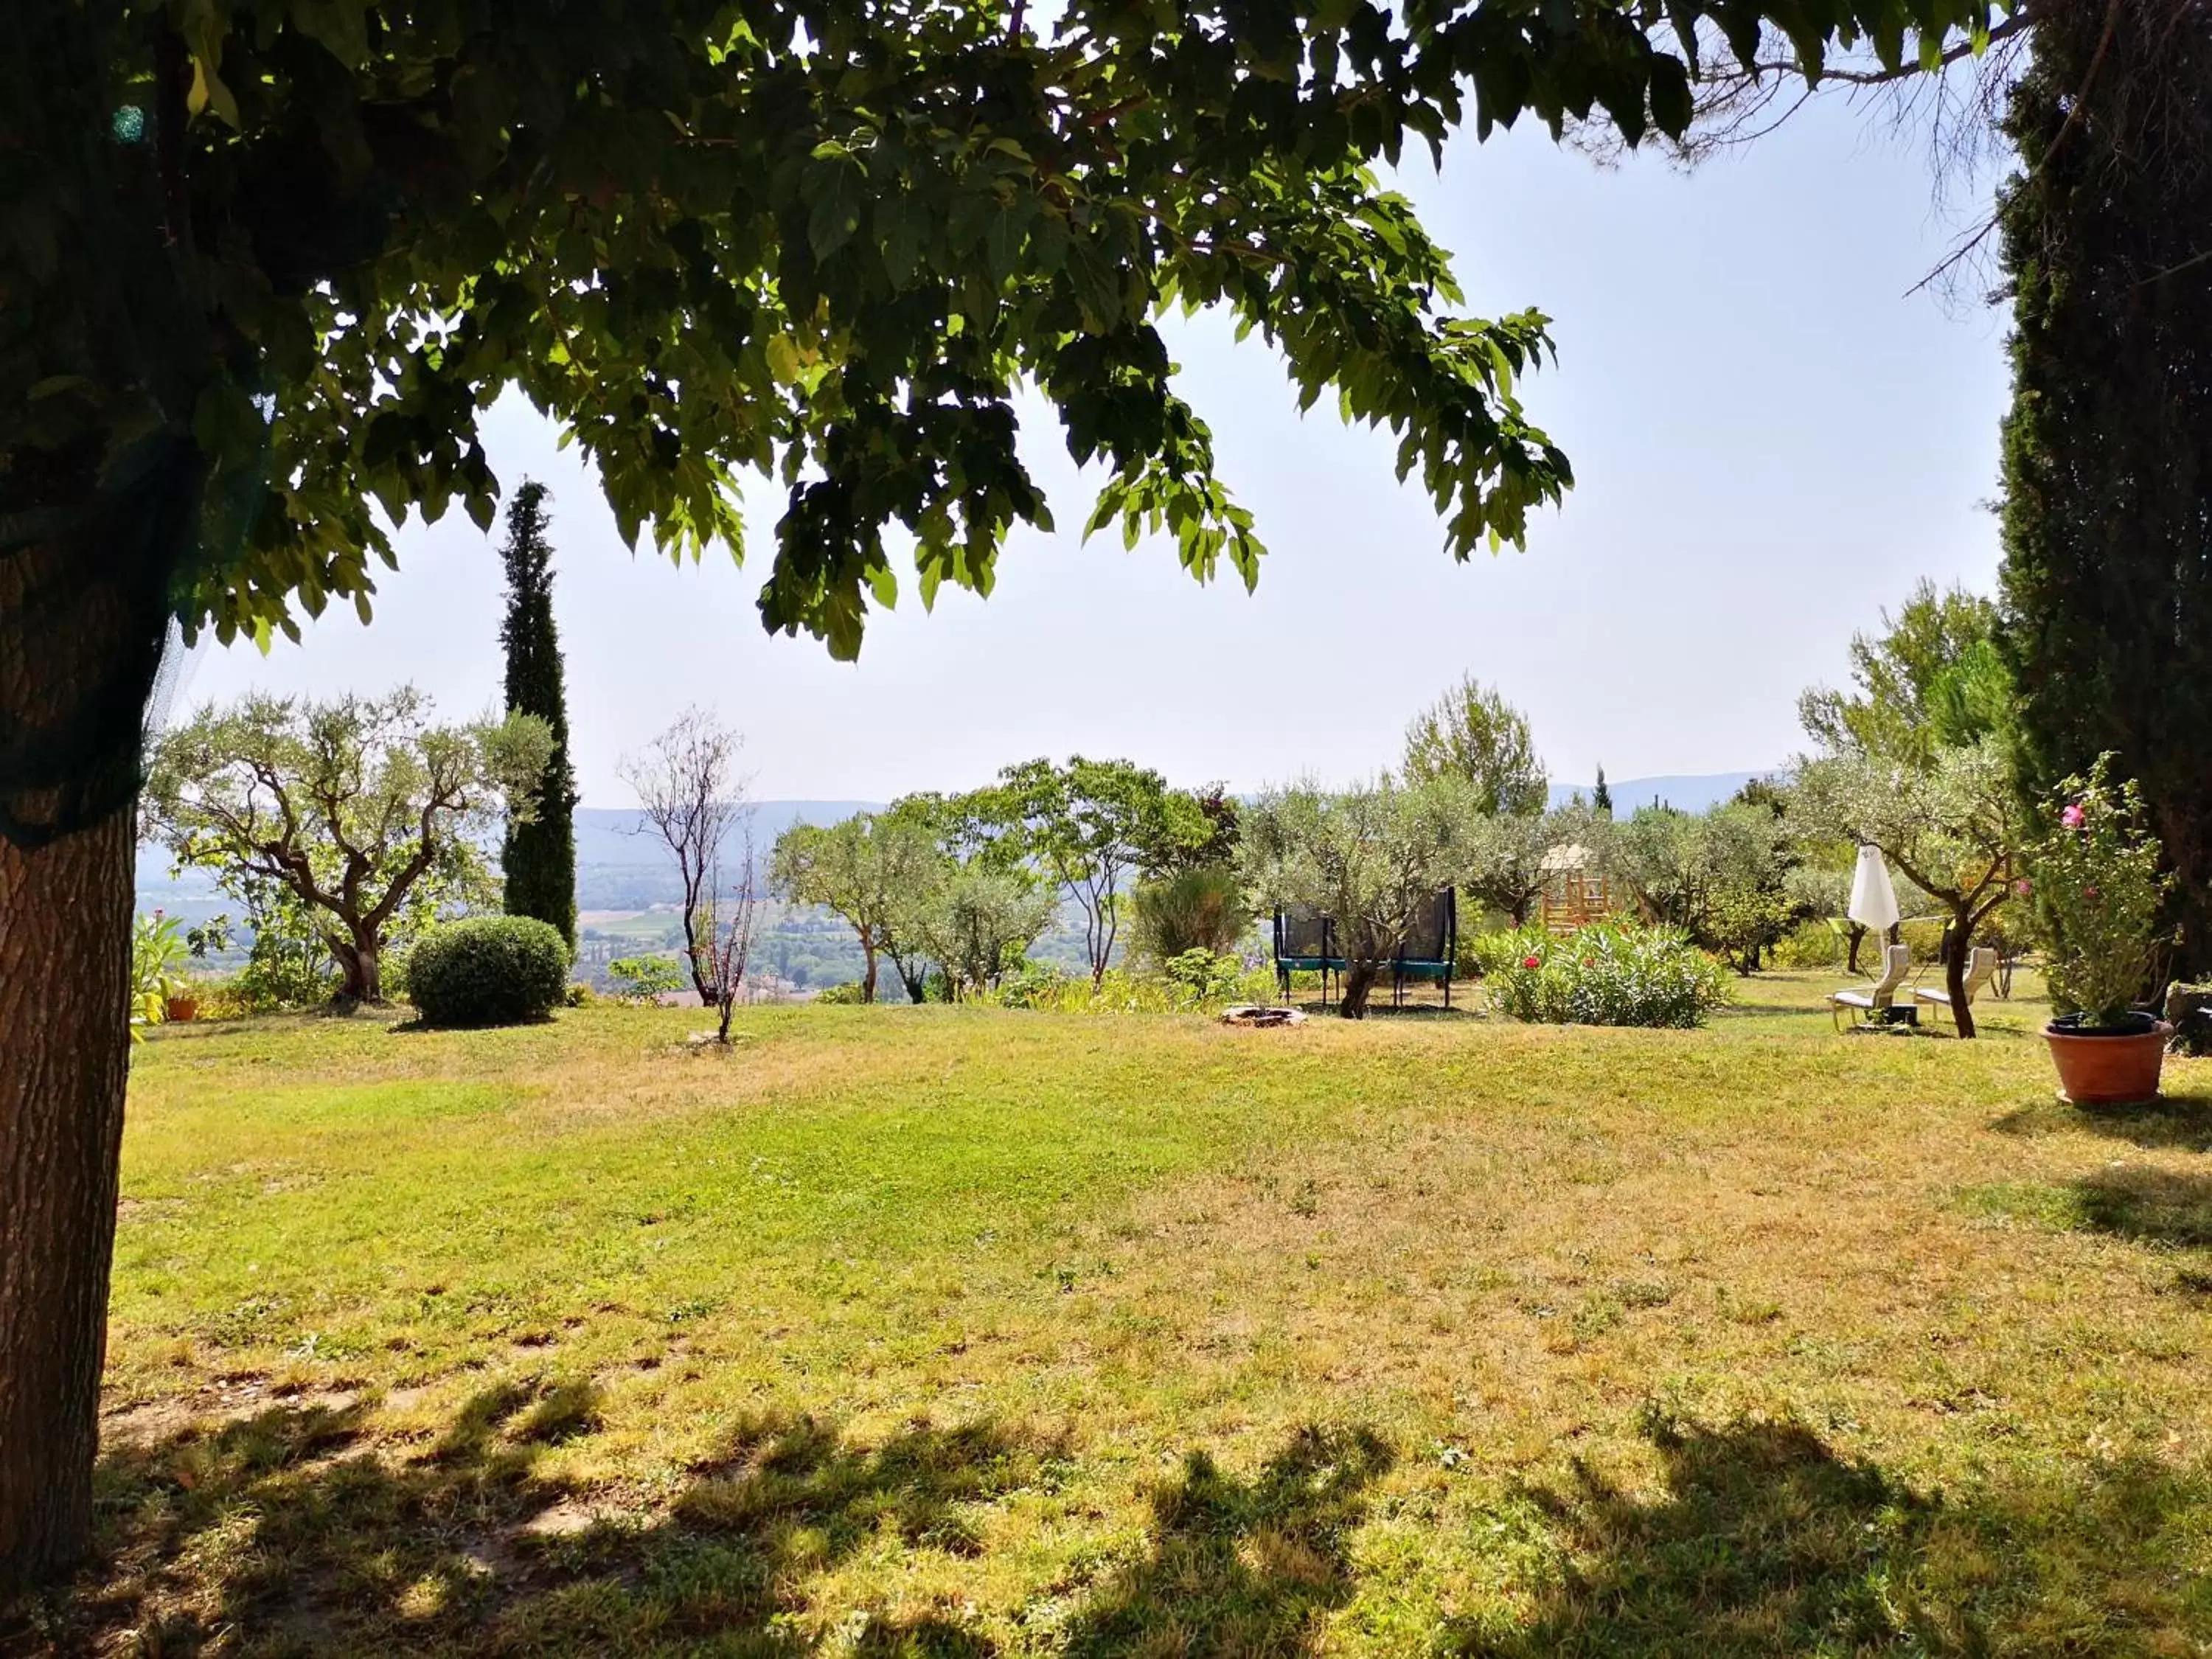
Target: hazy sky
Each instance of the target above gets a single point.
(1772, 442)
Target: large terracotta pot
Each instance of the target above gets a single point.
(2108, 1068)
(183, 1008)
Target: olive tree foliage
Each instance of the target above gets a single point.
(1955, 827)
(362, 810)
(1373, 857)
(1093, 825)
(977, 919)
(691, 797)
(1720, 875)
(867, 868)
(1473, 733)
(1506, 854)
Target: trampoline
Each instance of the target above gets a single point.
(1306, 942)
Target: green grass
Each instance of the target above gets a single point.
(948, 1331)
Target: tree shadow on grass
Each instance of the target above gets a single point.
(290, 1533)
(1236, 1566)
(2180, 1121)
(1766, 1541)
(2146, 1204)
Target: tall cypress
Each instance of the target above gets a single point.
(2107, 512)
(540, 855)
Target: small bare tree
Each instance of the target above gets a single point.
(726, 922)
(690, 793)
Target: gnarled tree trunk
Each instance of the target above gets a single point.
(65, 1047)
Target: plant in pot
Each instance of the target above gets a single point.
(2098, 888)
(158, 991)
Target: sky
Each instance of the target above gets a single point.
(1772, 440)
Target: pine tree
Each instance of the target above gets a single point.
(1601, 801)
(2107, 512)
(540, 856)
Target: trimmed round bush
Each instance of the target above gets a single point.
(488, 971)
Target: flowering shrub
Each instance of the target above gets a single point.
(2096, 885)
(1607, 973)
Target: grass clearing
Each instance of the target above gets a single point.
(948, 1331)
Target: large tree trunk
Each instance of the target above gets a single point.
(64, 1045)
(868, 979)
(1359, 975)
(360, 968)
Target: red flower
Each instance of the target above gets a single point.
(1532, 962)
(2089, 892)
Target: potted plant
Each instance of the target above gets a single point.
(2096, 883)
(158, 991)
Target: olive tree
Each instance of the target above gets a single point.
(1955, 827)
(359, 808)
(1372, 858)
(868, 869)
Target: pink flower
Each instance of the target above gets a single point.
(1532, 962)
(2073, 817)
(2023, 887)
(2089, 892)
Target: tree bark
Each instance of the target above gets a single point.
(1359, 976)
(64, 1046)
(1954, 972)
(360, 964)
(868, 979)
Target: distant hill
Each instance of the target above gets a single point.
(616, 868)
(619, 868)
(1692, 793)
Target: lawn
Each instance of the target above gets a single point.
(953, 1331)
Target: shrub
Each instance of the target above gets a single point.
(489, 971)
(646, 979)
(1203, 977)
(1198, 909)
(849, 995)
(1605, 974)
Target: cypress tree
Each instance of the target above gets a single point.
(2107, 511)
(540, 856)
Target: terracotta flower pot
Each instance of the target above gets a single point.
(2118, 1068)
(182, 1009)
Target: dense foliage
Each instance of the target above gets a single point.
(362, 810)
(1373, 857)
(1091, 824)
(1201, 909)
(538, 861)
(488, 971)
(2107, 507)
(1474, 734)
(1933, 678)
(868, 869)
(2098, 888)
(1608, 974)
